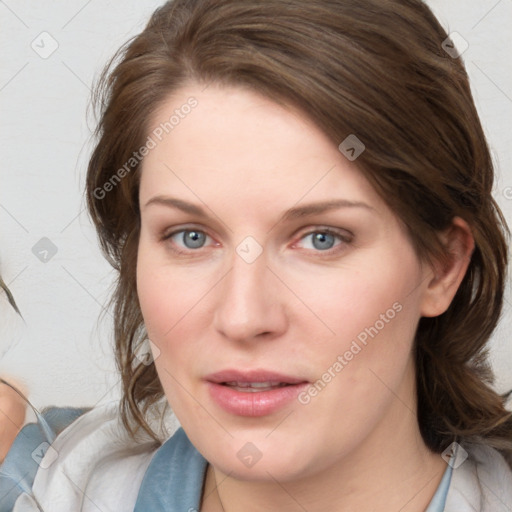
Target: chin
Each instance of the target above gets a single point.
(263, 459)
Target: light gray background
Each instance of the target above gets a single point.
(62, 352)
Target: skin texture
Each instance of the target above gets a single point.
(12, 417)
(246, 161)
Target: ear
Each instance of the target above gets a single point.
(447, 274)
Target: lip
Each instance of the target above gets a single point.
(252, 376)
(254, 403)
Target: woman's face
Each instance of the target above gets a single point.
(280, 292)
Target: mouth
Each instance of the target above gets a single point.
(253, 380)
(253, 393)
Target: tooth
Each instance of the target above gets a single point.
(262, 384)
(255, 386)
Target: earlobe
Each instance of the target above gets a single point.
(447, 274)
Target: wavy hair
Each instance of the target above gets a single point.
(367, 67)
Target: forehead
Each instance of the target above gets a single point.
(236, 143)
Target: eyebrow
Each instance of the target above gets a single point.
(322, 207)
(176, 203)
(291, 214)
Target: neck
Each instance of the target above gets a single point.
(392, 467)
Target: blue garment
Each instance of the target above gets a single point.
(20, 466)
(438, 502)
(173, 480)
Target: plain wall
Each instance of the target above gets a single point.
(61, 350)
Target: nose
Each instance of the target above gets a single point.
(250, 303)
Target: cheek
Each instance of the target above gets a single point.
(166, 295)
(154, 299)
(376, 325)
(373, 315)
(173, 302)
(164, 306)
(362, 304)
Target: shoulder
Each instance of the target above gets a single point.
(483, 480)
(90, 459)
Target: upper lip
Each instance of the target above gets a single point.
(251, 376)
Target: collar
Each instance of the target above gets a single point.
(174, 478)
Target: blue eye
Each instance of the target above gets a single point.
(189, 238)
(321, 240)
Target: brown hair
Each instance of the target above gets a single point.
(371, 68)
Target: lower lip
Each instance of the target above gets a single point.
(257, 403)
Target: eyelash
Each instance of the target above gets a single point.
(343, 238)
(176, 249)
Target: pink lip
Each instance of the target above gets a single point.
(251, 376)
(256, 403)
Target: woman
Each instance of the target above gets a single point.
(297, 197)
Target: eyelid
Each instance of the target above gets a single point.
(168, 234)
(339, 232)
(343, 235)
